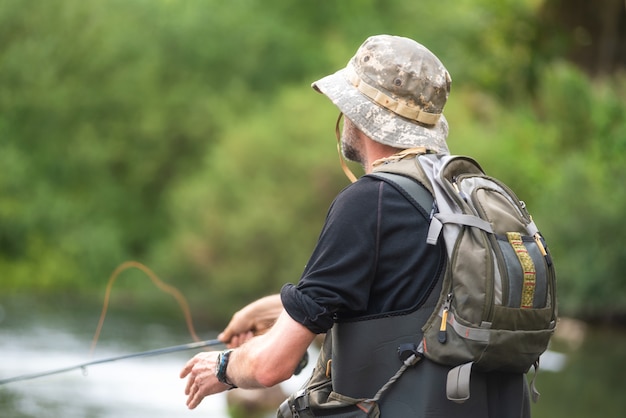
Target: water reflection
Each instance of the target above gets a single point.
(33, 341)
(588, 382)
(128, 388)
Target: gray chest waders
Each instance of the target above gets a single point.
(366, 355)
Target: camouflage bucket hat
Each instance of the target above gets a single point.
(394, 91)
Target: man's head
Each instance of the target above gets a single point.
(394, 91)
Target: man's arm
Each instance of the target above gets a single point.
(263, 361)
(270, 358)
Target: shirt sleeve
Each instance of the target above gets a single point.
(339, 274)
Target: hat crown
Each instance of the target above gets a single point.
(404, 70)
(394, 90)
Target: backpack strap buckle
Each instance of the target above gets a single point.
(458, 383)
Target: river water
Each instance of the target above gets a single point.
(138, 387)
(36, 338)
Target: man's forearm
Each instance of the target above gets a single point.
(271, 358)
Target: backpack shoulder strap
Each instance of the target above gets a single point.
(418, 194)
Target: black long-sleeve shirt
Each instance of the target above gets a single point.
(371, 259)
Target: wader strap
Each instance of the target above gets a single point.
(458, 383)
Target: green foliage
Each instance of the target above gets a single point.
(587, 182)
(93, 128)
(170, 131)
(247, 221)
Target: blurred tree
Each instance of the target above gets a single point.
(95, 122)
(158, 130)
(593, 34)
(246, 223)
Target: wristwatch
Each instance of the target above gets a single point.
(222, 365)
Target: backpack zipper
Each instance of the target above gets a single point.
(443, 336)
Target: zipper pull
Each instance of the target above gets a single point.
(442, 337)
(541, 243)
(460, 192)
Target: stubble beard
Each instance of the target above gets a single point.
(351, 144)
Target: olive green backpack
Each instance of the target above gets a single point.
(498, 309)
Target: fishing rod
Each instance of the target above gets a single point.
(83, 366)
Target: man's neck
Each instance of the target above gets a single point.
(375, 151)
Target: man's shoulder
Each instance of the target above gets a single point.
(366, 187)
(368, 195)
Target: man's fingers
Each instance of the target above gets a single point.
(234, 342)
(185, 372)
(201, 380)
(191, 403)
(187, 369)
(194, 402)
(194, 398)
(237, 340)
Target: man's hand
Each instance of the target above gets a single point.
(253, 319)
(202, 380)
(262, 362)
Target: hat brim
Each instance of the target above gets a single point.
(378, 123)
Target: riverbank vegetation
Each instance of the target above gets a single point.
(184, 135)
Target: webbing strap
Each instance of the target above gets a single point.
(528, 268)
(470, 333)
(458, 383)
(440, 219)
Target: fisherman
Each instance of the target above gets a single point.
(371, 275)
